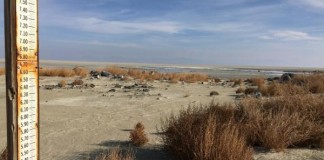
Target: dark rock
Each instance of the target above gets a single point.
(112, 90)
(118, 86)
(130, 87)
(49, 87)
(146, 90)
(286, 77)
(92, 85)
(105, 74)
(94, 73)
(213, 93)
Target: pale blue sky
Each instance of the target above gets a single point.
(216, 32)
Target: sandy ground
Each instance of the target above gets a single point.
(78, 123)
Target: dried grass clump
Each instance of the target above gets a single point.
(250, 90)
(211, 133)
(213, 93)
(62, 84)
(116, 154)
(313, 83)
(2, 71)
(138, 136)
(54, 72)
(283, 122)
(282, 89)
(240, 90)
(80, 71)
(116, 70)
(4, 154)
(237, 82)
(63, 72)
(77, 82)
(226, 132)
(258, 81)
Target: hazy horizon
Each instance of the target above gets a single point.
(285, 33)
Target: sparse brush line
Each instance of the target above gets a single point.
(153, 75)
(63, 72)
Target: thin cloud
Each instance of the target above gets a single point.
(290, 35)
(319, 4)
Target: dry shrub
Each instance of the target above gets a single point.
(77, 82)
(237, 82)
(226, 132)
(55, 72)
(213, 93)
(116, 154)
(63, 72)
(313, 83)
(282, 89)
(217, 80)
(240, 90)
(62, 84)
(283, 122)
(258, 81)
(138, 136)
(4, 154)
(116, 70)
(210, 133)
(2, 71)
(250, 90)
(80, 71)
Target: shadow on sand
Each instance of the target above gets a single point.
(149, 152)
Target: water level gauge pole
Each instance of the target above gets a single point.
(22, 91)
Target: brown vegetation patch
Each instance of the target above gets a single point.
(258, 81)
(77, 82)
(4, 154)
(227, 132)
(138, 136)
(2, 71)
(205, 134)
(299, 84)
(116, 154)
(250, 90)
(283, 122)
(240, 90)
(153, 75)
(237, 82)
(62, 84)
(63, 72)
(80, 71)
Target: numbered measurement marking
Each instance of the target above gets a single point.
(27, 110)
(27, 78)
(27, 29)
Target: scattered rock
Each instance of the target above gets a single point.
(146, 90)
(213, 93)
(49, 87)
(287, 77)
(105, 74)
(112, 90)
(92, 85)
(118, 86)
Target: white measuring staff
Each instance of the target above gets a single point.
(27, 79)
